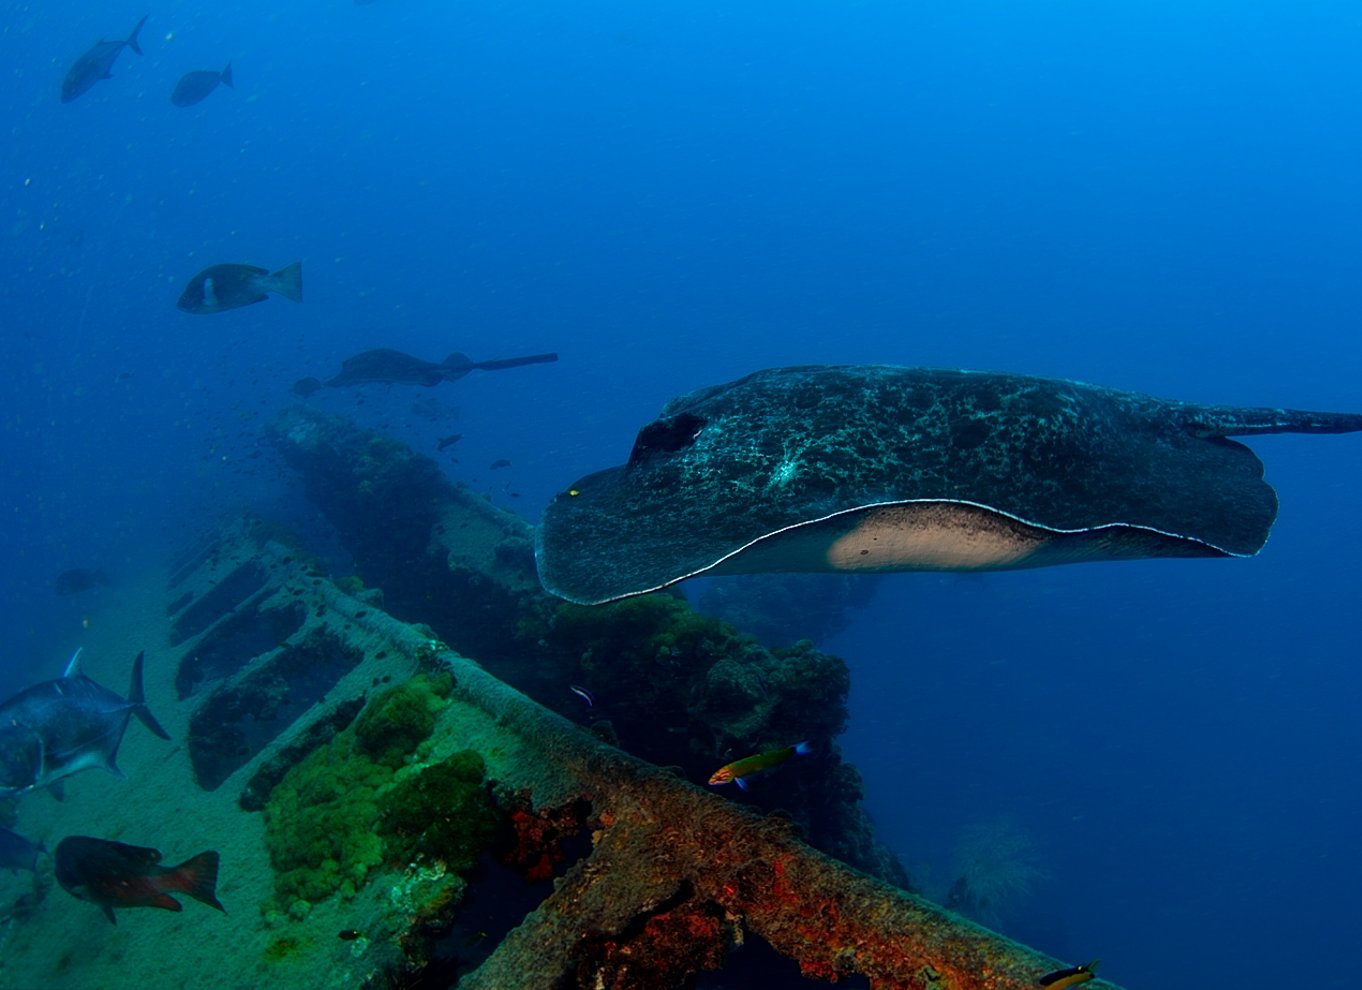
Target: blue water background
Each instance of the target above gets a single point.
(1159, 196)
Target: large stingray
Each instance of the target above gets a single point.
(386, 365)
(883, 468)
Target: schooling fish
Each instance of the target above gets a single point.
(113, 874)
(95, 64)
(737, 771)
(1070, 977)
(54, 729)
(223, 287)
(194, 87)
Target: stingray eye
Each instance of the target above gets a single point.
(666, 436)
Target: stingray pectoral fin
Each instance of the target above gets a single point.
(945, 536)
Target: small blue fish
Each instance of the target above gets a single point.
(584, 694)
(54, 729)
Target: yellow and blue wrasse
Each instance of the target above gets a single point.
(733, 773)
(1070, 977)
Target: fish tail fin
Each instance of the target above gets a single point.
(132, 38)
(198, 877)
(227, 76)
(137, 697)
(803, 748)
(288, 282)
(1233, 421)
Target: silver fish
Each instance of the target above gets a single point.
(54, 729)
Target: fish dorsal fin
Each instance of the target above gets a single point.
(73, 668)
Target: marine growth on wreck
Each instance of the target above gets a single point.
(432, 773)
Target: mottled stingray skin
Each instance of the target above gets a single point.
(889, 468)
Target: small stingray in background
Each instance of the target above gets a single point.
(385, 365)
(223, 287)
(95, 64)
(194, 87)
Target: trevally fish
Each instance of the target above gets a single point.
(223, 287)
(54, 729)
(95, 64)
(194, 87)
(115, 874)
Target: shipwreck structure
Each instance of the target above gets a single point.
(407, 791)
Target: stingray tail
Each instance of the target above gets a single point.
(515, 362)
(1235, 421)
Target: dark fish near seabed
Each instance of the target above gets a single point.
(194, 87)
(305, 387)
(223, 287)
(80, 579)
(95, 64)
(114, 874)
(54, 729)
(1071, 976)
(18, 853)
